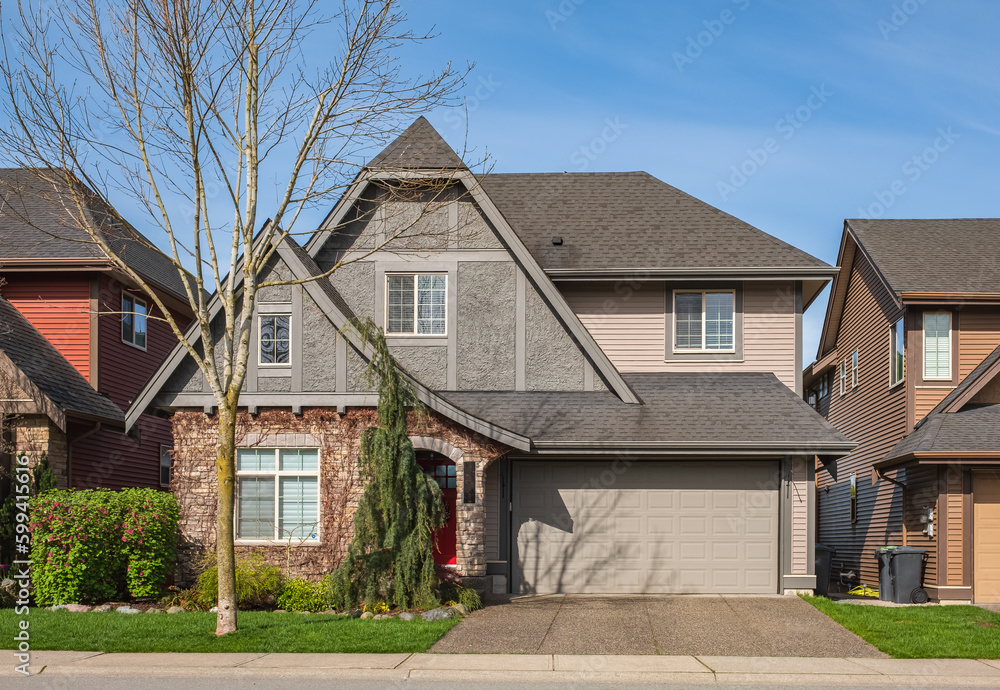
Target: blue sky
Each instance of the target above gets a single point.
(695, 88)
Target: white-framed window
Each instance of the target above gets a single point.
(277, 494)
(854, 369)
(416, 304)
(134, 311)
(166, 463)
(897, 359)
(275, 339)
(937, 345)
(842, 375)
(705, 320)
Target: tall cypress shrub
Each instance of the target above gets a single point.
(391, 557)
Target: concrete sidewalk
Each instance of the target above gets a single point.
(523, 668)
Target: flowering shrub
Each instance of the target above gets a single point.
(93, 545)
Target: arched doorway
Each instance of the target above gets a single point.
(443, 470)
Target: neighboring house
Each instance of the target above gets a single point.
(905, 368)
(610, 369)
(99, 325)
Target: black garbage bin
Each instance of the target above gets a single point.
(900, 574)
(824, 563)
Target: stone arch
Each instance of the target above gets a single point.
(438, 445)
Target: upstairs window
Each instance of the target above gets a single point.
(277, 494)
(275, 339)
(937, 345)
(897, 368)
(854, 369)
(704, 321)
(166, 463)
(416, 304)
(842, 375)
(134, 312)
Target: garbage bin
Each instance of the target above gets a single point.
(824, 562)
(900, 574)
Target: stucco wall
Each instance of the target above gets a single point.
(486, 318)
(552, 360)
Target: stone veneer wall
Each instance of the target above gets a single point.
(338, 438)
(35, 434)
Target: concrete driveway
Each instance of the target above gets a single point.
(673, 625)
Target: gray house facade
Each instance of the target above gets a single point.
(610, 368)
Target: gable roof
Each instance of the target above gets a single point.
(684, 413)
(418, 147)
(38, 225)
(628, 221)
(956, 255)
(36, 366)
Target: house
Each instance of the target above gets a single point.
(95, 337)
(905, 368)
(610, 370)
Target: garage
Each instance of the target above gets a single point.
(645, 527)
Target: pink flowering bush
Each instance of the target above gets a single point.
(94, 545)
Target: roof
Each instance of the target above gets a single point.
(973, 429)
(684, 412)
(624, 221)
(958, 255)
(418, 147)
(47, 370)
(39, 221)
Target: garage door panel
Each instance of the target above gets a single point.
(656, 527)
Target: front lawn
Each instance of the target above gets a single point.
(920, 632)
(195, 632)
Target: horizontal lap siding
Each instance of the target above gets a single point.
(59, 308)
(114, 460)
(955, 519)
(800, 517)
(491, 506)
(922, 490)
(926, 399)
(978, 337)
(628, 322)
(873, 416)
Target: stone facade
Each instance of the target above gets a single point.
(338, 439)
(35, 434)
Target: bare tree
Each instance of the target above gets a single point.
(216, 104)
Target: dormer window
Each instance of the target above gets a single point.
(134, 312)
(704, 321)
(416, 304)
(275, 340)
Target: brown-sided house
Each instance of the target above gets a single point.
(610, 369)
(906, 366)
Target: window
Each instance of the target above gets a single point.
(166, 462)
(854, 498)
(275, 339)
(277, 494)
(842, 374)
(823, 386)
(897, 368)
(937, 345)
(134, 320)
(854, 370)
(415, 304)
(705, 321)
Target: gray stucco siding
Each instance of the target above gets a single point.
(474, 231)
(552, 360)
(275, 384)
(275, 270)
(485, 328)
(356, 365)
(356, 284)
(319, 349)
(428, 364)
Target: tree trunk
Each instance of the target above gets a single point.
(225, 466)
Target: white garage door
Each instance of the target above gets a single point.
(646, 527)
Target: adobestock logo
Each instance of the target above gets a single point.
(701, 41)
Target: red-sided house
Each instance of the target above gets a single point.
(97, 321)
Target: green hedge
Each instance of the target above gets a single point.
(96, 545)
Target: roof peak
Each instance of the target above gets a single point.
(419, 147)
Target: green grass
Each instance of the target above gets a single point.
(195, 632)
(920, 632)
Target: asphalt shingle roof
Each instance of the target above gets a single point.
(724, 410)
(973, 428)
(934, 255)
(419, 146)
(630, 220)
(49, 370)
(39, 220)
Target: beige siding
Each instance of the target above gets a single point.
(955, 520)
(926, 399)
(800, 517)
(628, 321)
(978, 336)
(491, 505)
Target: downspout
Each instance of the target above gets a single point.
(69, 450)
(878, 473)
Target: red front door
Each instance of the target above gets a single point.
(442, 470)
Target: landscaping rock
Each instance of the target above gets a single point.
(366, 615)
(303, 612)
(103, 608)
(58, 607)
(382, 616)
(406, 616)
(77, 608)
(175, 609)
(8, 593)
(437, 614)
(279, 611)
(461, 609)
(329, 612)
(127, 609)
(154, 611)
(355, 613)
(214, 609)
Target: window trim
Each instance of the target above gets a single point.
(951, 342)
(855, 363)
(145, 304)
(385, 304)
(893, 339)
(842, 375)
(704, 331)
(170, 466)
(274, 365)
(276, 474)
